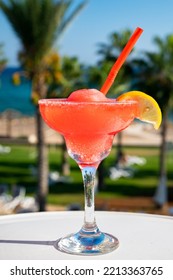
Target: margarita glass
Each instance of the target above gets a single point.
(88, 129)
(89, 121)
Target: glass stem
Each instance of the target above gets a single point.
(88, 174)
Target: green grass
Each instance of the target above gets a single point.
(15, 169)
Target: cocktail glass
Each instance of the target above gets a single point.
(88, 129)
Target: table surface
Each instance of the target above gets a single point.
(32, 236)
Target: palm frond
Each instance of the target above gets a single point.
(39, 23)
(68, 20)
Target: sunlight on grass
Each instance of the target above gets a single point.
(15, 168)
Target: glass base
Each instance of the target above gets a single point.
(87, 243)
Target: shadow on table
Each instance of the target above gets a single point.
(30, 242)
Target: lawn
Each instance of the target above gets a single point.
(16, 169)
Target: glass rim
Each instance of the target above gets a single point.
(55, 101)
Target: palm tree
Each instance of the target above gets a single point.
(72, 77)
(154, 75)
(109, 53)
(3, 60)
(38, 24)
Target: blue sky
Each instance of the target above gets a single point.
(97, 21)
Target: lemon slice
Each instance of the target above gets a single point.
(148, 109)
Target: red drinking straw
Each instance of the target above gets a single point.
(120, 60)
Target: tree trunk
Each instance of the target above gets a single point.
(65, 166)
(42, 150)
(119, 151)
(9, 124)
(101, 176)
(119, 140)
(160, 196)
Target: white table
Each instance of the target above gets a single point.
(32, 236)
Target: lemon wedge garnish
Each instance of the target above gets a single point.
(148, 109)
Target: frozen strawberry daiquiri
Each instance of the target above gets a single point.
(89, 120)
(88, 123)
